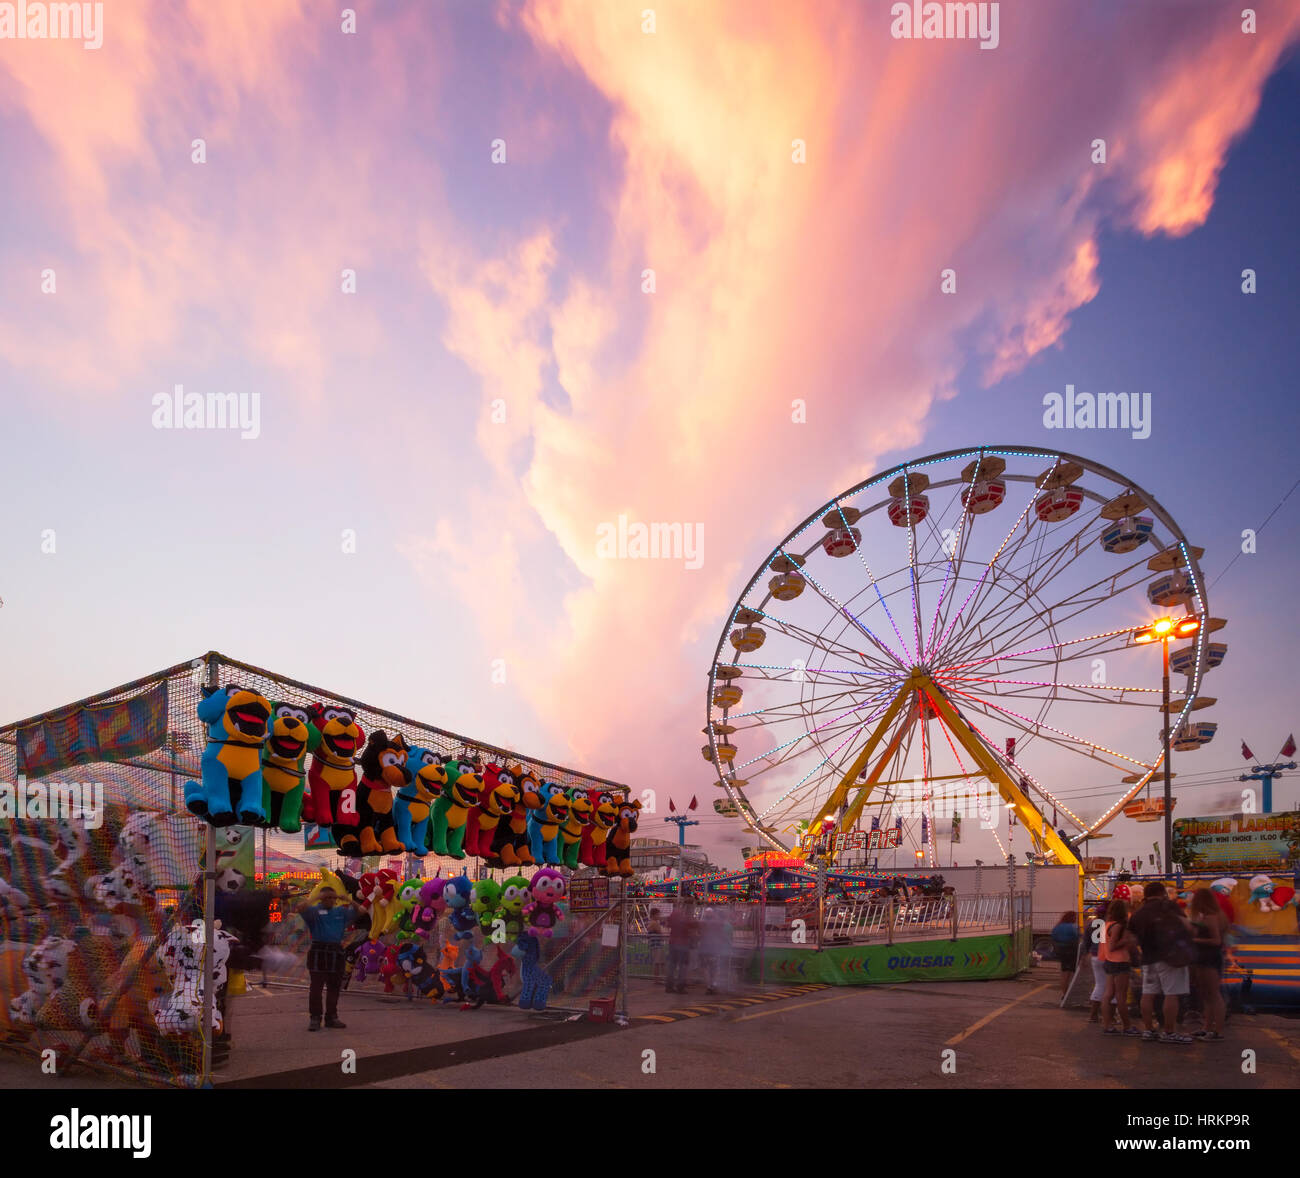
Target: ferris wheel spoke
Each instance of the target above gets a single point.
(902, 646)
(830, 646)
(993, 561)
(1037, 727)
(848, 614)
(951, 575)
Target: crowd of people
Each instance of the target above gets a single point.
(1180, 959)
(708, 936)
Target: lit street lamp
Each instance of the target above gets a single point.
(1161, 631)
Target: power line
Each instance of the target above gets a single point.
(1259, 529)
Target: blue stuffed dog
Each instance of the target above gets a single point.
(231, 765)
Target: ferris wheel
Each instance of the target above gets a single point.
(955, 636)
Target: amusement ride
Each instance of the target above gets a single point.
(961, 632)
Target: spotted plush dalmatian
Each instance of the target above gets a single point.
(130, 883)
(181, 956)
(46, 969)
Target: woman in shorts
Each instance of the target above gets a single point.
(1117, 944)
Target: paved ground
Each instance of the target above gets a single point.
(1005, 1034)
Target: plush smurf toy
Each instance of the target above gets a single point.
(231, 765)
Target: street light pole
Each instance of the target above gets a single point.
(1169, 804)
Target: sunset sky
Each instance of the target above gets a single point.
(502, 382)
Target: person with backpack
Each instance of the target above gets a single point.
(1116, 944)
(1165, 939)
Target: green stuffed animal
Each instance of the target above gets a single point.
(291, 736)
(450, 813)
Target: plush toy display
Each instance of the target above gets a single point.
(449, 971)
(543, 911)
(290, 738)
(485, 902)
(231, 764)
(413, 802)
(536, 981)
(429, 908)
(604, 814)
(390, 969)
(457, 894)
(421, 977)
(383, 770)
(450, 812)
(130, 883)
(618, 847)
(489, 985)
(544, 823)
(514, 895)
(510, 847)
(368, 959)
(46, 969)
(1223, 889)
(575, 827)
(80, 850)
(329, 880)
(496, 801)
(181, 1013)
(331, 798)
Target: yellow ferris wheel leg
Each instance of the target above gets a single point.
(840, 794)
(1029, 814)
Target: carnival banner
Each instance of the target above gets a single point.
(114, 731)
(1242, 842)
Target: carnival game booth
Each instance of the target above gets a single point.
(131, 907)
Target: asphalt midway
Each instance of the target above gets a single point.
(395, 1064)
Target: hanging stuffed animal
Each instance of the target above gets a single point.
(181, 1013)
(331, 798)
(544, 824)
(618, 847)
(451, 811)
(290, 738)
(390, 969)
(604, 813)
(514, 895)
(536, 981)
(231, 765)
(485, 903)
(1222, 890)
(46, 969)
(457, 894)
(383, 770)
(510, 847)
(575, 827)
(496, 802)
(429, 908)
(413, 802)
(130, 884)
(421, 977)
(449, 971)
(1261, 893)
(368, 959)
(544, 910)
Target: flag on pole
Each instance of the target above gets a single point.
(1288, 749)
(875, 822)
(925, 830)
(671, 807)
(694, 803)
(1246, 754)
